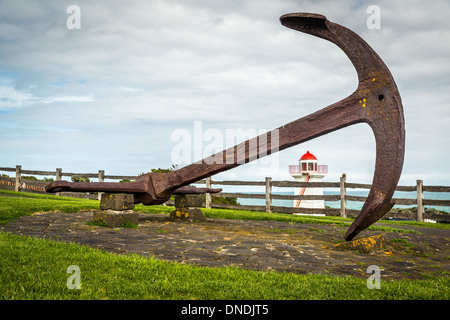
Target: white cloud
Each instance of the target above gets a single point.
(66, 99)
(12, 98)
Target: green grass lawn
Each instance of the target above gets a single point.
(24, 204)
(36, 269)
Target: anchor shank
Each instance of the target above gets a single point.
(114, 187)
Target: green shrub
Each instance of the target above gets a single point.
(80, 179)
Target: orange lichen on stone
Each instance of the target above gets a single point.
(363, 245)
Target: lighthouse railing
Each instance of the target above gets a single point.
(321, 168)
(293, 169)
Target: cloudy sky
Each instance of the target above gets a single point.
(114, 93)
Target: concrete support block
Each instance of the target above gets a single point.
(117, 201)
(187, 208)
(188, 201)
(116, 209)
(187, 214)
(114, 219)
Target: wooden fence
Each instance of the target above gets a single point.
(19, 184)
(39, 186)
(343, 197)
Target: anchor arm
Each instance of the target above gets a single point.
(380, 106)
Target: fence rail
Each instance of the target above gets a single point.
(343, 211)
(18, 183)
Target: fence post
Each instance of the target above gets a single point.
(208, 195)
(58, 174)
(268, 194)
(58, 177)
(101, 178)
(343, 196)
(17, 186)
(420, 208)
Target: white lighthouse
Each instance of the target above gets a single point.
(308, 170)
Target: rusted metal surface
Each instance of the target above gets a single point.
(376, 102)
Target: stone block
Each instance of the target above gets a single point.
(187, 214)
(188, 200)
(363, 245)
(114, 219)
(117, 201)
(187, 208)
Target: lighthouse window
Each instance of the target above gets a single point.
(310, 166)
(303, 166)
(315, 166)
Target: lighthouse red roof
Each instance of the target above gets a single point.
(308, 156)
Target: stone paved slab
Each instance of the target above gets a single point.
(260, 245)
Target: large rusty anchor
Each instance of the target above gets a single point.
(376, 102)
